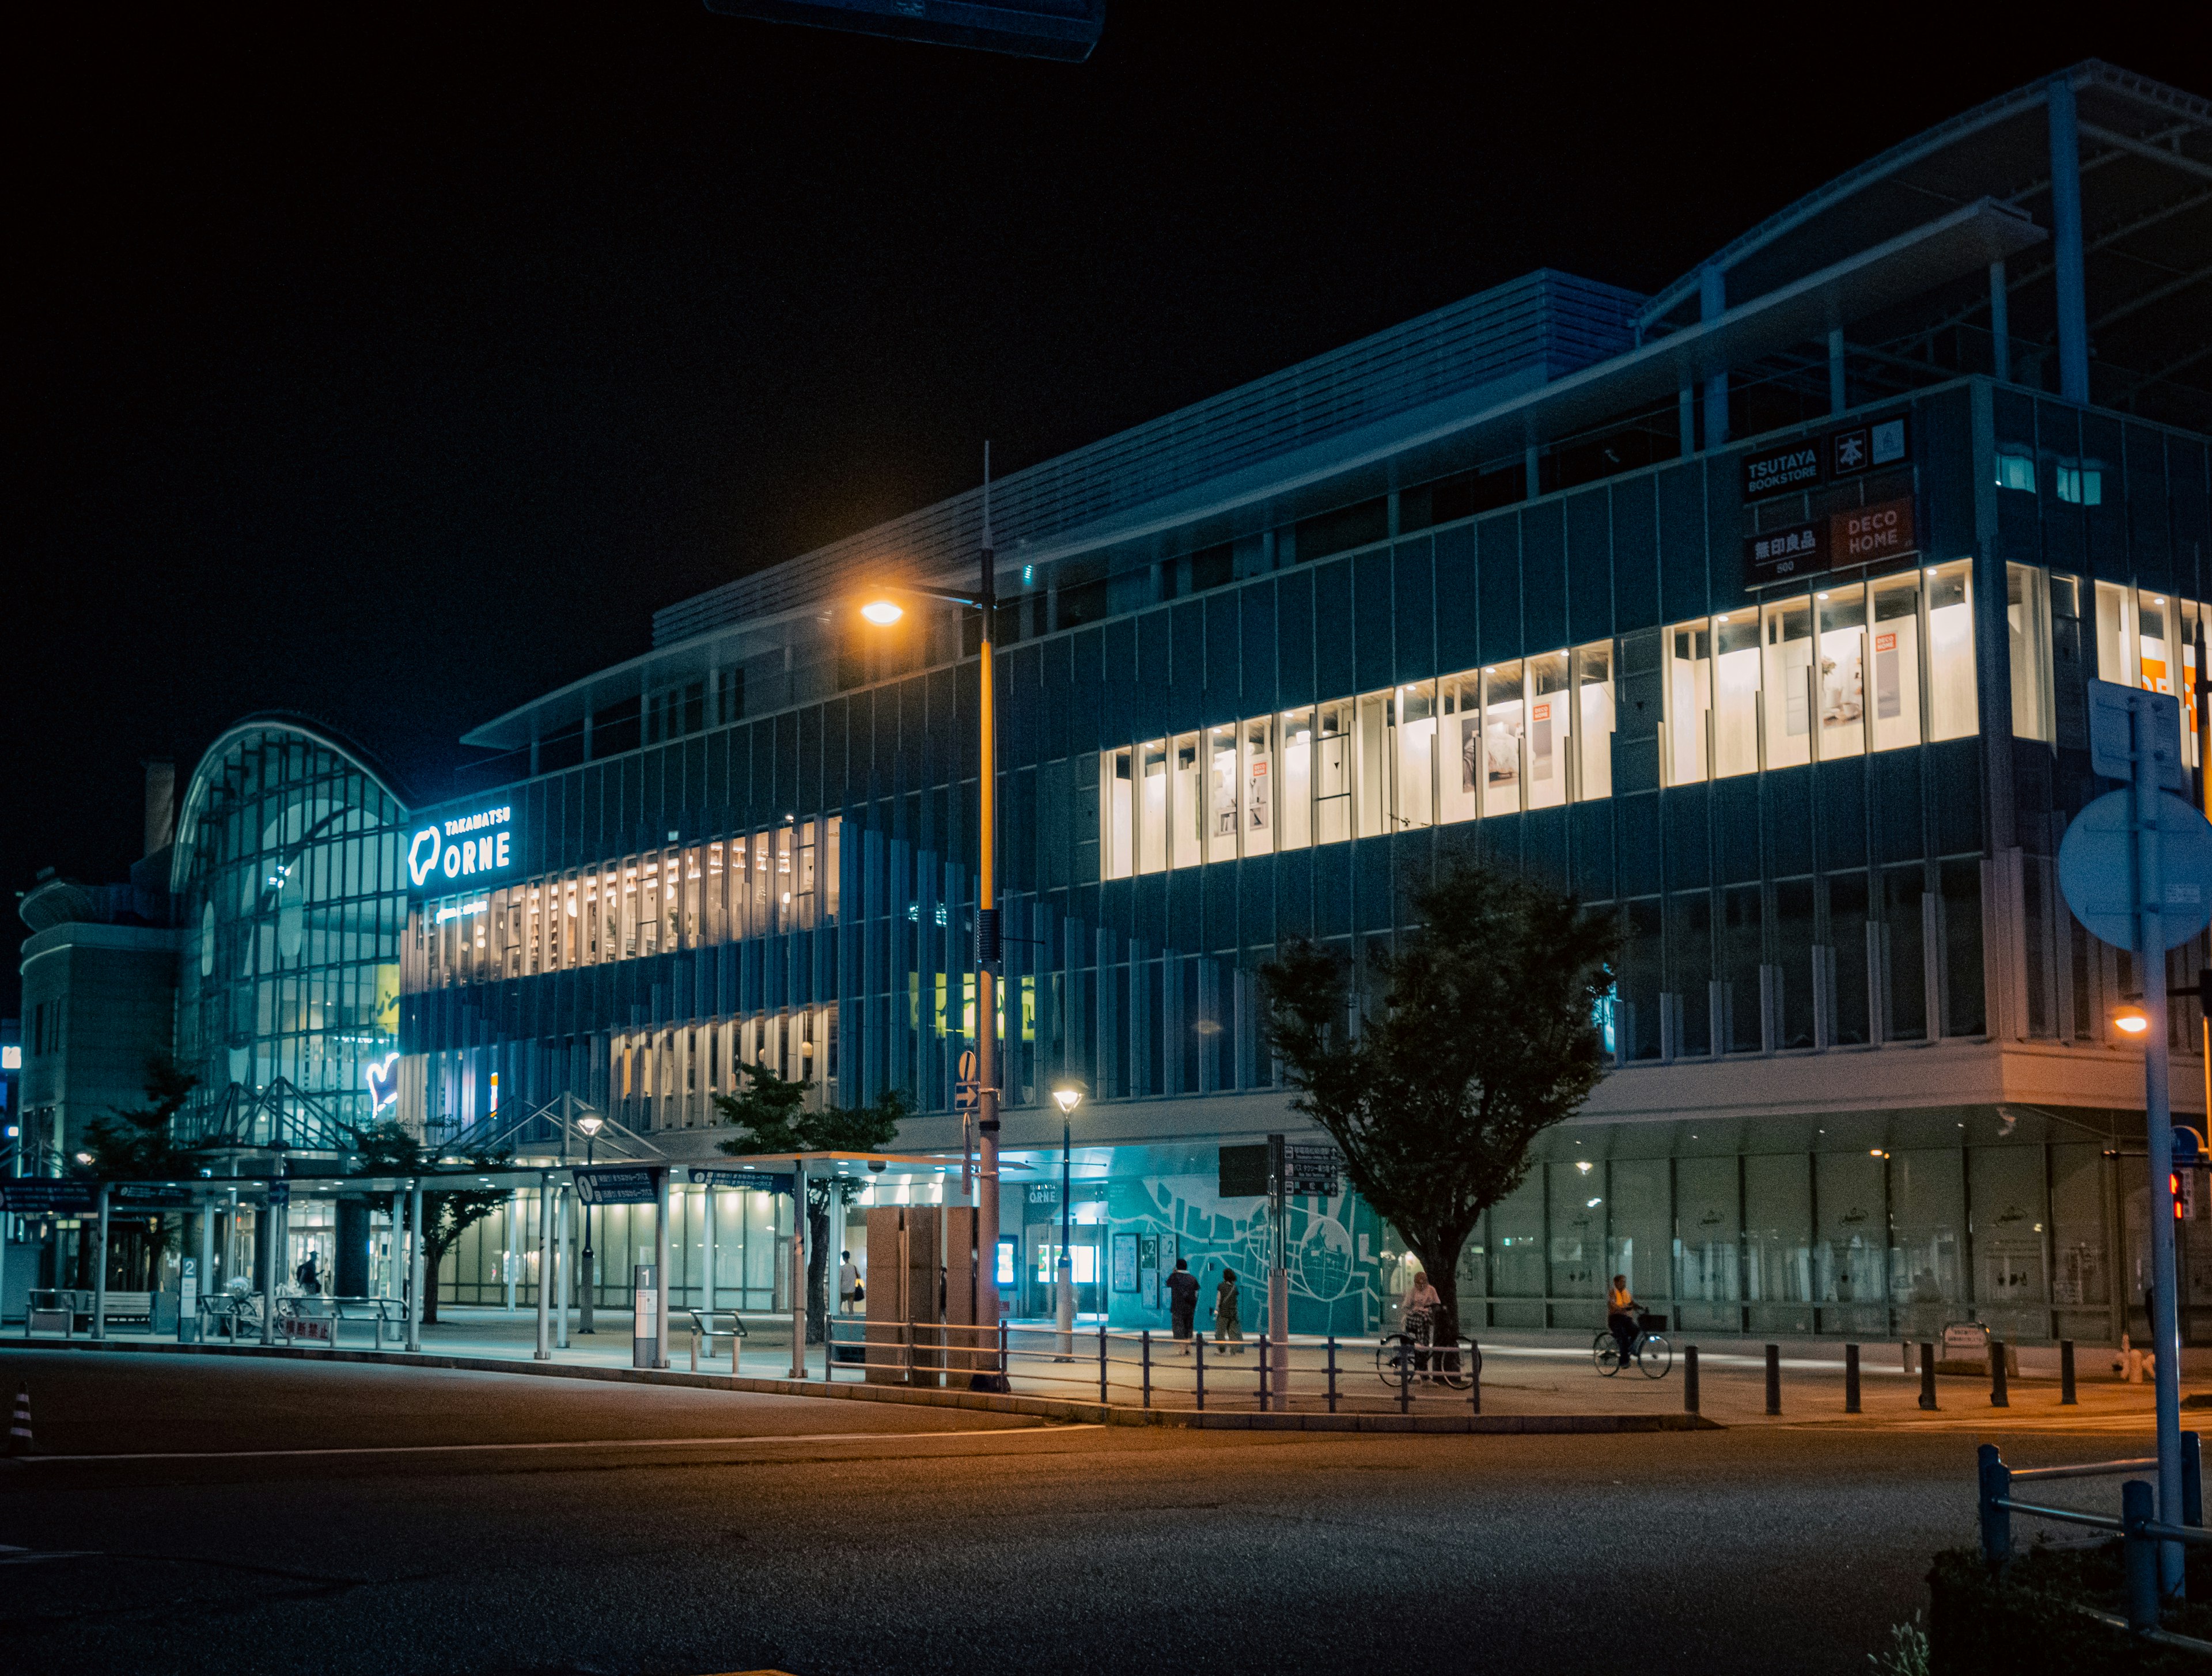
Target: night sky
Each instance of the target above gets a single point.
(394, 364)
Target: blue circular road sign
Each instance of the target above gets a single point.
(2097, 869)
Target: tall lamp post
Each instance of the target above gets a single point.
(882, 612)
(590, 1123)
(1067, 1099)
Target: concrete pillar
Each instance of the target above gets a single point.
(563, 1267)
(350, 1274)
(544, 1350)
(1712, 303)
(415, 1262)
(2000, 323)
(99, 1271)
(661, 1259)
(2066, 243)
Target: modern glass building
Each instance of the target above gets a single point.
(1758, 611)
(285, 878)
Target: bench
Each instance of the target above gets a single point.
(66, 1310)
(706, 1324)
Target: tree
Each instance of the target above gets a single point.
(135, 1144)
(771, 1110)
(1486, 1037)
(387, 1149)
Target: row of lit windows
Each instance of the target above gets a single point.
(1527, 733)
(1840, 671)
(683, 897)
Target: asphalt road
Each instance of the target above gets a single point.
(301, 1517)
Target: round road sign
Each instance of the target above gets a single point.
(2097, 869)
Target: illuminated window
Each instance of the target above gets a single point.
(1372, 754)
(2016, 470)
(2079, 484)
(1186, 803)
(1503, 724)
(1689, 701)
(1222, 795)
(1460, 697)
(1953, 710)
(1841, 613)
(1416, 705)
(1895, 661)
(1296, 799)
(1153, 817)
(1789, 681)
(1549, 736)
(1116, 810)
(1256, 769)
(1595, 713)
(1332, 772)
(1735, 693)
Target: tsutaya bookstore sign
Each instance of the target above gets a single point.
(461, 852)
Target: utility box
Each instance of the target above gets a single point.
(921, 1287)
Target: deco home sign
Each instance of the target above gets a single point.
(463, 851)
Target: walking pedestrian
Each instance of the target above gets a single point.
(848, 1283)
(1418, 1318)
(1183, 1304)
(1227, 1330)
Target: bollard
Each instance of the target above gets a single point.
(1332, 1373)
(1774, 1379)
(1474, 1375)
(2000, 1396)
(2192, 1480)
(19, 1433)
(1405, 1378)
(1928, 1375)
(1201, 1337)
(1102, 1362)
(1996, 1486)
(1851, 1379)
(1148, 1366)
(1265, 1358)
(2141, 1555)
(1690, 1380)
(2066, 1373)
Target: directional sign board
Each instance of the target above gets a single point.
(2097, 869)
(742, 1180)
(1309, 1168)
(43, 1195)
(618, 1185)
(2112, 711)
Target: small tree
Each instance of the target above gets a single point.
(135, 1144)
(1486, 1037)
(447, 1213)
(770, 1111)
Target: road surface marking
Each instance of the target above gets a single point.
(583, 1444)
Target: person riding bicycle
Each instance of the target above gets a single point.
(1620, 1309)
(1419, 1319)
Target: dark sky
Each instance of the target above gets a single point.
(394, 363)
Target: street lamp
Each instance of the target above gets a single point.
(1068, 1098)
(2132, 1019)
(883, 612)
(590, 1123)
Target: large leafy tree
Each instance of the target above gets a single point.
(387, 1149)
(1484, 1037)
(137, 1144)
(771, 1114)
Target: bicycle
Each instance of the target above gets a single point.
(1654, 1355)
(1404, 1357)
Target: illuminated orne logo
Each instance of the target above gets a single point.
(463, 846)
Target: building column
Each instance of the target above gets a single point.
(1712, 303)
(1836, 402)
(2000, 323)
(2066, 243)
(1685, 419)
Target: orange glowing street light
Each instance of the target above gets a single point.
(2132, 1019)
(882, 612)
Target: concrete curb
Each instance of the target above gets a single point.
(1043, 1408)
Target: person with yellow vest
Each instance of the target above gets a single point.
(1620, 1317)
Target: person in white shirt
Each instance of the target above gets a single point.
(848, 1284)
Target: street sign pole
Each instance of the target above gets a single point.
(2150, 774)
(1278, 1279)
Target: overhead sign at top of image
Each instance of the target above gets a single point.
(1837, 456)
(461, 852)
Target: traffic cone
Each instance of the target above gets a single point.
(19, 1433)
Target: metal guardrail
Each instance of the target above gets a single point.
(1151, 1370)
(2140, 1533)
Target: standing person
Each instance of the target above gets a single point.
(309, 1277)
(1183, 1304)
(1620, 1317)
(1227, 1329)
(848, 1283)
(1419, 1316)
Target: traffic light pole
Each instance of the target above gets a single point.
(2158, 1119)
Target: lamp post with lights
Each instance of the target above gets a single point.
(590, 1123)
(882, 612)
(1068, 1098)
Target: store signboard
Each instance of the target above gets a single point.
(1867, 447)
(1866, 535)
(1244, 1171)
(462, 851)
(1799, 550)
(1779, 470)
